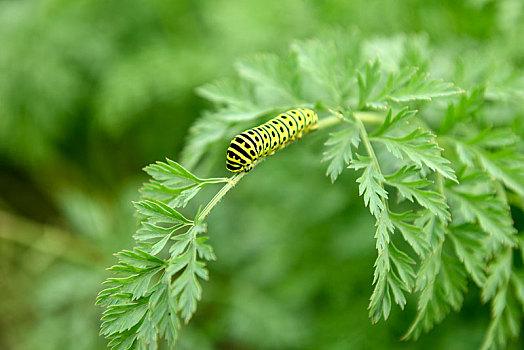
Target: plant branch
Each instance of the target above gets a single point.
(329, 122)
(231, 182)
(363, 116)
(369, 117)
(369, 149)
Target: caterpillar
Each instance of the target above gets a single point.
(261, 141)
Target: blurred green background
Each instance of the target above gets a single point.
(93, 90)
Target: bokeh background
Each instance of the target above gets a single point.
(93, 90)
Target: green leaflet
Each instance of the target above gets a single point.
(393, 122)
(468, 248)
(172, 184)
(495, 151)
(370, 184)
(420, 148)
(410, 186)
(339, 149)
(411, 233)
(473, 201)
(158, 212)
(379, 89)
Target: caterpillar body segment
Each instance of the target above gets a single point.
(261, 141)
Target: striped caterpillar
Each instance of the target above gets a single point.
(261, 141)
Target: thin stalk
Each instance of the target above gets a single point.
(374, 159)
(214, 180)
(365, 117)
(329, 122)
(369, 117)
(369, 148)
(231, 182)
(440, 184)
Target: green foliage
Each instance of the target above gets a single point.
(370, 185)
(150, 294)
(378, 89)
(87, 97)
(430, 146)
(339, 151)
(411, 186)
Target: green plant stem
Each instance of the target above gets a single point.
(369, 148)
(329, 122)
(440, 184)
(363, 116)
(373, 156)
(214, 180)
(369, 117)
(231, 182)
